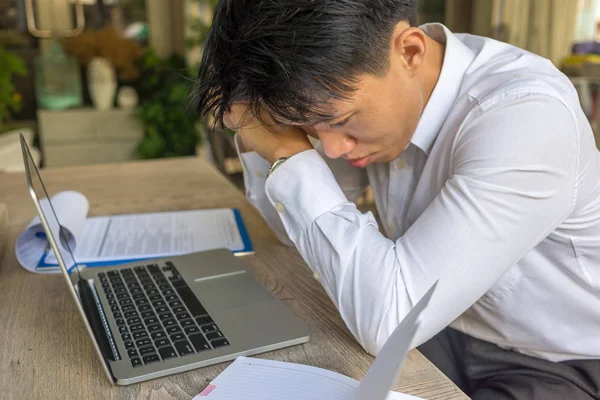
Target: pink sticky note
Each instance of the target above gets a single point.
(207, 390)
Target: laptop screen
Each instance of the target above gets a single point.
(62, 238)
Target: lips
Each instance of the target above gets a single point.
(360, 162)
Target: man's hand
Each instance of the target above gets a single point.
(272, 142)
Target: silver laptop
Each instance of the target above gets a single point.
(168, 315)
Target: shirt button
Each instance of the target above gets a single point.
(279, 207)
(401, 164)
(259, 173)
(316, 275)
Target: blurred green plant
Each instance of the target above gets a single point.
(10, 99)
(164, 86)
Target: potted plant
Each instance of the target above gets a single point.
(164, 88)
(10, 99)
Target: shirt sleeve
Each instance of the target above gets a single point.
(353, 182)
(512, 182)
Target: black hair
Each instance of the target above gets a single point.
(290, 57)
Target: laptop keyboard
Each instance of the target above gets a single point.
(158, 315)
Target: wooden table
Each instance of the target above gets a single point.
(45, 350)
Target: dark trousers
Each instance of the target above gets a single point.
(485, 371)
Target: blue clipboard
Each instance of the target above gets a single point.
(247, 249)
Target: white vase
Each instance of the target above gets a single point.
(102, 83)
(127, 98)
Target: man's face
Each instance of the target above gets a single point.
(377, 122)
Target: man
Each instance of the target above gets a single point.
(483, 166)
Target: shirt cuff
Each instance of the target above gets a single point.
(302, 189)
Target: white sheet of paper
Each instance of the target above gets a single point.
(71, 209)
(258, 379)
(152, 235)
(384, 371)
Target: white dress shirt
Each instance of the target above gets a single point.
(497, 196)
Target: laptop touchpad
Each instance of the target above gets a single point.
(230, 291)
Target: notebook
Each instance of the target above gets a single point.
(110, 240)
(258, 379)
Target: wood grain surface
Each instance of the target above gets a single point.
(46, 353)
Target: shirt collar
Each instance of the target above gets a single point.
(457, 58)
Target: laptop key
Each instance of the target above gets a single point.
(149, 286)
(153, 268)
(175, 303)
(184, 348)
(200, 344)
(126, 271)
(129, 345)
(220, 343)
(120, 321)
(179, 309)
(204, 320)
(177, 337)
(139, 269)
(112, 273)
(158, 303)
(214, 335)
(141, 302)
(169, 322)
(191, 329)
(171, 297)
(167, 352)
(154, 328)
(147, 350)
(143, 342)
(125, 302)
(132, 353)
(182, 315)
(151, 320)
(162, 342)
(173, 329)
(152, 292)
(210, 328)
(147, 281)
(129, 307)
(155, 297)
(145, 307)
(120, 290)
(110, 296)
(138, 296)
(126, 337)
(115, 308)
(101, 275)
(190, 300)
(162, 281)
(122, 296)
(179, 283)
(151, 359)
(187, 322)
(136, 362)
(164, 287)
(131, 314)
(140, 335)
(158, 335)
(136, 327)
(122, 329)
(136, 290)
(162, 309)
(148, 314)
(165, 315)
(167, 292)
(134, 320)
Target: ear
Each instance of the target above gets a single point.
(409, 45)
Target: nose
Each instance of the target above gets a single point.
(336, 144)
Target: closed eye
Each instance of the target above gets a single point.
(341, 123)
